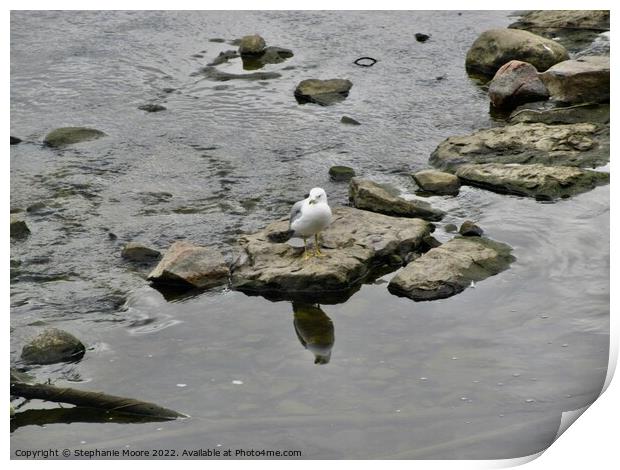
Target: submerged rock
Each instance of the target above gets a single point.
(19, 229)
(315, 330)
(450, 268)
(213, 73)
(341, 173)
(224, 57)
(323, 92)
(251, 45)
(370, 196)
(71, 135)
(583, 80)
(516, 83)
(271, 55)
(534, 180)
(470, 229)
(349, 120)
(437, 182)
(152, 108)
(495, 47)
(189, 266)
(355, 245)
(572, 28)
(565, 145)
(15, 140)
(51, 346)
(137, 252)
(538, 112)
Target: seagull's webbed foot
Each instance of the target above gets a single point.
(317, 248)
(307, 254)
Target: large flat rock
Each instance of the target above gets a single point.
(539, 181)
(371, 196)
(450, 268)
(355, 245)
(565, 144)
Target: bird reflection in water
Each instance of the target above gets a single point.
(315, 330)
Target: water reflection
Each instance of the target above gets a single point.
(315, 330)
(78, 414)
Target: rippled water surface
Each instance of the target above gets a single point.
(484, 374)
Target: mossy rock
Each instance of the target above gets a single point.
(51, 346)
(64, 136)
(341, 173)
(19, 229)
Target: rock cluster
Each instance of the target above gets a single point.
(354, 245)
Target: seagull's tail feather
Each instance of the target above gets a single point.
(281, 237)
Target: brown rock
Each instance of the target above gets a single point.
(516, 83)
(190, 266)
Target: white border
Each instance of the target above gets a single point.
(591, 442)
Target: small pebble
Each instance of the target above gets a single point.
(423, 378)
(564, 345)
(237, 382)
(516, 374)
(181, 385)
(529, 400)
(454, 358)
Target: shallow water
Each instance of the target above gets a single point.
(484, 374)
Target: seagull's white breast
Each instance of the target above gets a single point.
(314, 218)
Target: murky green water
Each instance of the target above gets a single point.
(485, 374)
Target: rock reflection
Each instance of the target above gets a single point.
(315, 330)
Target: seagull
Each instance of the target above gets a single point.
(309, 217)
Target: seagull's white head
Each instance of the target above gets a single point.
(317, 195)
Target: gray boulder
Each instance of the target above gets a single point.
(51, 346)
(251, 45)
(470, 229)
(583, 80)
(533, 180)
(189, 266)
(495, 47)
(137, 252)
(349, 120)
(370, 196)
(516, 83)
(450, 268)
(354, 245)
(323, 92)
(438, 182)
(566, 145)
(19, 229)
(64, 136)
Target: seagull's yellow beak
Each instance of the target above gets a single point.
(312, 201)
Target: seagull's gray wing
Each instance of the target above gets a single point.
(295, 212)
